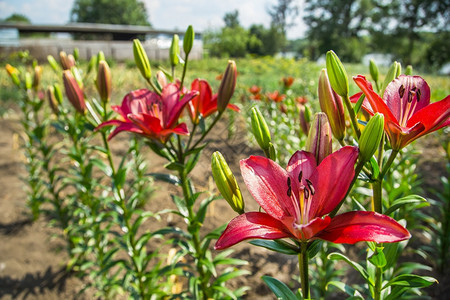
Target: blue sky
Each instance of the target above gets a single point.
(164, 14)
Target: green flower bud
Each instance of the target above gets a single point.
(409, 70)
(391, 75)
(73, 92)
(58, 93)
(53, 63)
(260, 129)
(226, 182)
(188, 40)
(76, 54)
(100, 57)
(175, 51)
(337, 74)
(141, 59)
(331, 104)
(371, 137)
(319, 140)
(373, 70)
(399, 70)
(272, 152)
(227, 86)
(28, 81)
(13, 73)
(92, 63)
(103, 81)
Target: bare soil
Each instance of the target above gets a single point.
(32, 258)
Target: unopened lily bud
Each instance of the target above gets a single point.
(305, 118)
(260, 129)
(371, 137)
(100, 57)
(58, 93)
(76, 54)
(373, 70)
(337, 74)
(331, 104)
(37, 77)
(103, 81)
(67, 61)
(76, 73)
(226, 182)
(391, 75)
(399, 70)
(53, 63)
(272, 152)
(141, 59)
(188, 40)
(50, 93)
(319, 138)
(175, 50)
(161, 79)
(13, 73)
(92, 63)
(74, 92)
(227, 86)
(28, 81)
(409, 70)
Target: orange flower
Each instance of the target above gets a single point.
(254, 89)
(287, 81)
(276, 96)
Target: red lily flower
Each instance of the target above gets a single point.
(205, 103)
(287, 81)
(151, 115)
(406, 107)
(276, 96)
(254, 89)
(297, 200)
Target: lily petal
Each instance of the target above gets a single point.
(332, 180)
(434, 116)
(404, 91)
(356, 226)
(251, 225)
(377, 104)
(267, 182)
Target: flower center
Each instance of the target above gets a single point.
(301, 199)
(408, 110)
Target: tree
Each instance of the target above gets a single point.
(338, 25)
(398, 26)
(231, 19)
(18, 18)
(283, 14)
(127, 12)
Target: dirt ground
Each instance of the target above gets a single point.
(32, 259)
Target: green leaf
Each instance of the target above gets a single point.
(192, 162)
(102, 166)
(411, 199)
(346, 289)
(375, 167)
(411, 281)
(166, 178)
(314, 248)
(174, 166)
(358, 104)
(160, 150)
(280, 289)
(378, 259)
(181, 205)
(354, 265)
(230, 275)
(225, 291)
(201, 213)
(274, 245)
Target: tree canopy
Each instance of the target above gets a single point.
(127, 12)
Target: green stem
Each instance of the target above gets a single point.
(378, 282)
(303, 266)
(352, 115)
(219, 115)
(184, 71)
(388, 163)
